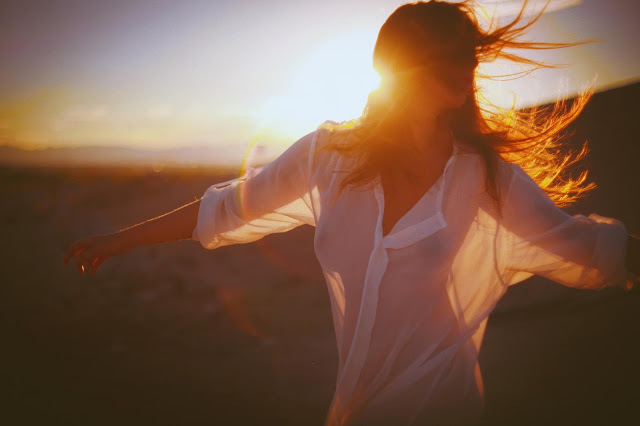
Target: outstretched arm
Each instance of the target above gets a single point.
(273, 198)
(270, 199)
(576, 251)
(91, 252)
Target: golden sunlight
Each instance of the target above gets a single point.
(532, 88)
(331, 83)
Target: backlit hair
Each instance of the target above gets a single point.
(418, 35)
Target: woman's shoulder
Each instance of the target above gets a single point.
(330, 136)
(324, 158)
(312, 144)
(474, 168)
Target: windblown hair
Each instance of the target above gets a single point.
(414, 36)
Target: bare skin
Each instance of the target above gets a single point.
(89, 253)
(429, 121)
(431, 136)
(402, 191)
(431, 103)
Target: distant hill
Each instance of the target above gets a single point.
(611, 125)
(231, 155)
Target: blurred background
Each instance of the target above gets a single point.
(114, 112)
(199, 82)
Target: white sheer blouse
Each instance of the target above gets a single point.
(410, 308)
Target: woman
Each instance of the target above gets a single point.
(426, 209)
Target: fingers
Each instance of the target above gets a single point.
(83, 265)
(74, 251)
(95, 264)
(80, 266)
(85, 260)
(88, 262)
(89, 254)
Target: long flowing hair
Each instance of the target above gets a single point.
(533, 139)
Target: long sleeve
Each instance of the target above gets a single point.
(541, 239)
(270, 199)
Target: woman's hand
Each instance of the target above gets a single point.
(91, 252)
(633, 262)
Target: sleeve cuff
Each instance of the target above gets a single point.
(610, 252)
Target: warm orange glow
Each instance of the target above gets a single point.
(331, 83)
(233, 298)
(69, 117)
(271, 76)
(512, 86)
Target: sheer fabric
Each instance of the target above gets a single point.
(410, 308)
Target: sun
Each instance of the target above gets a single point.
(331, 82)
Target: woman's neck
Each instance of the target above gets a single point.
(432, 134)
(433, 143)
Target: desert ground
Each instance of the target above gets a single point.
(242, 335)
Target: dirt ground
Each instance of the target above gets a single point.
(242, 335)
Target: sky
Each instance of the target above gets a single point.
(165, 74)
